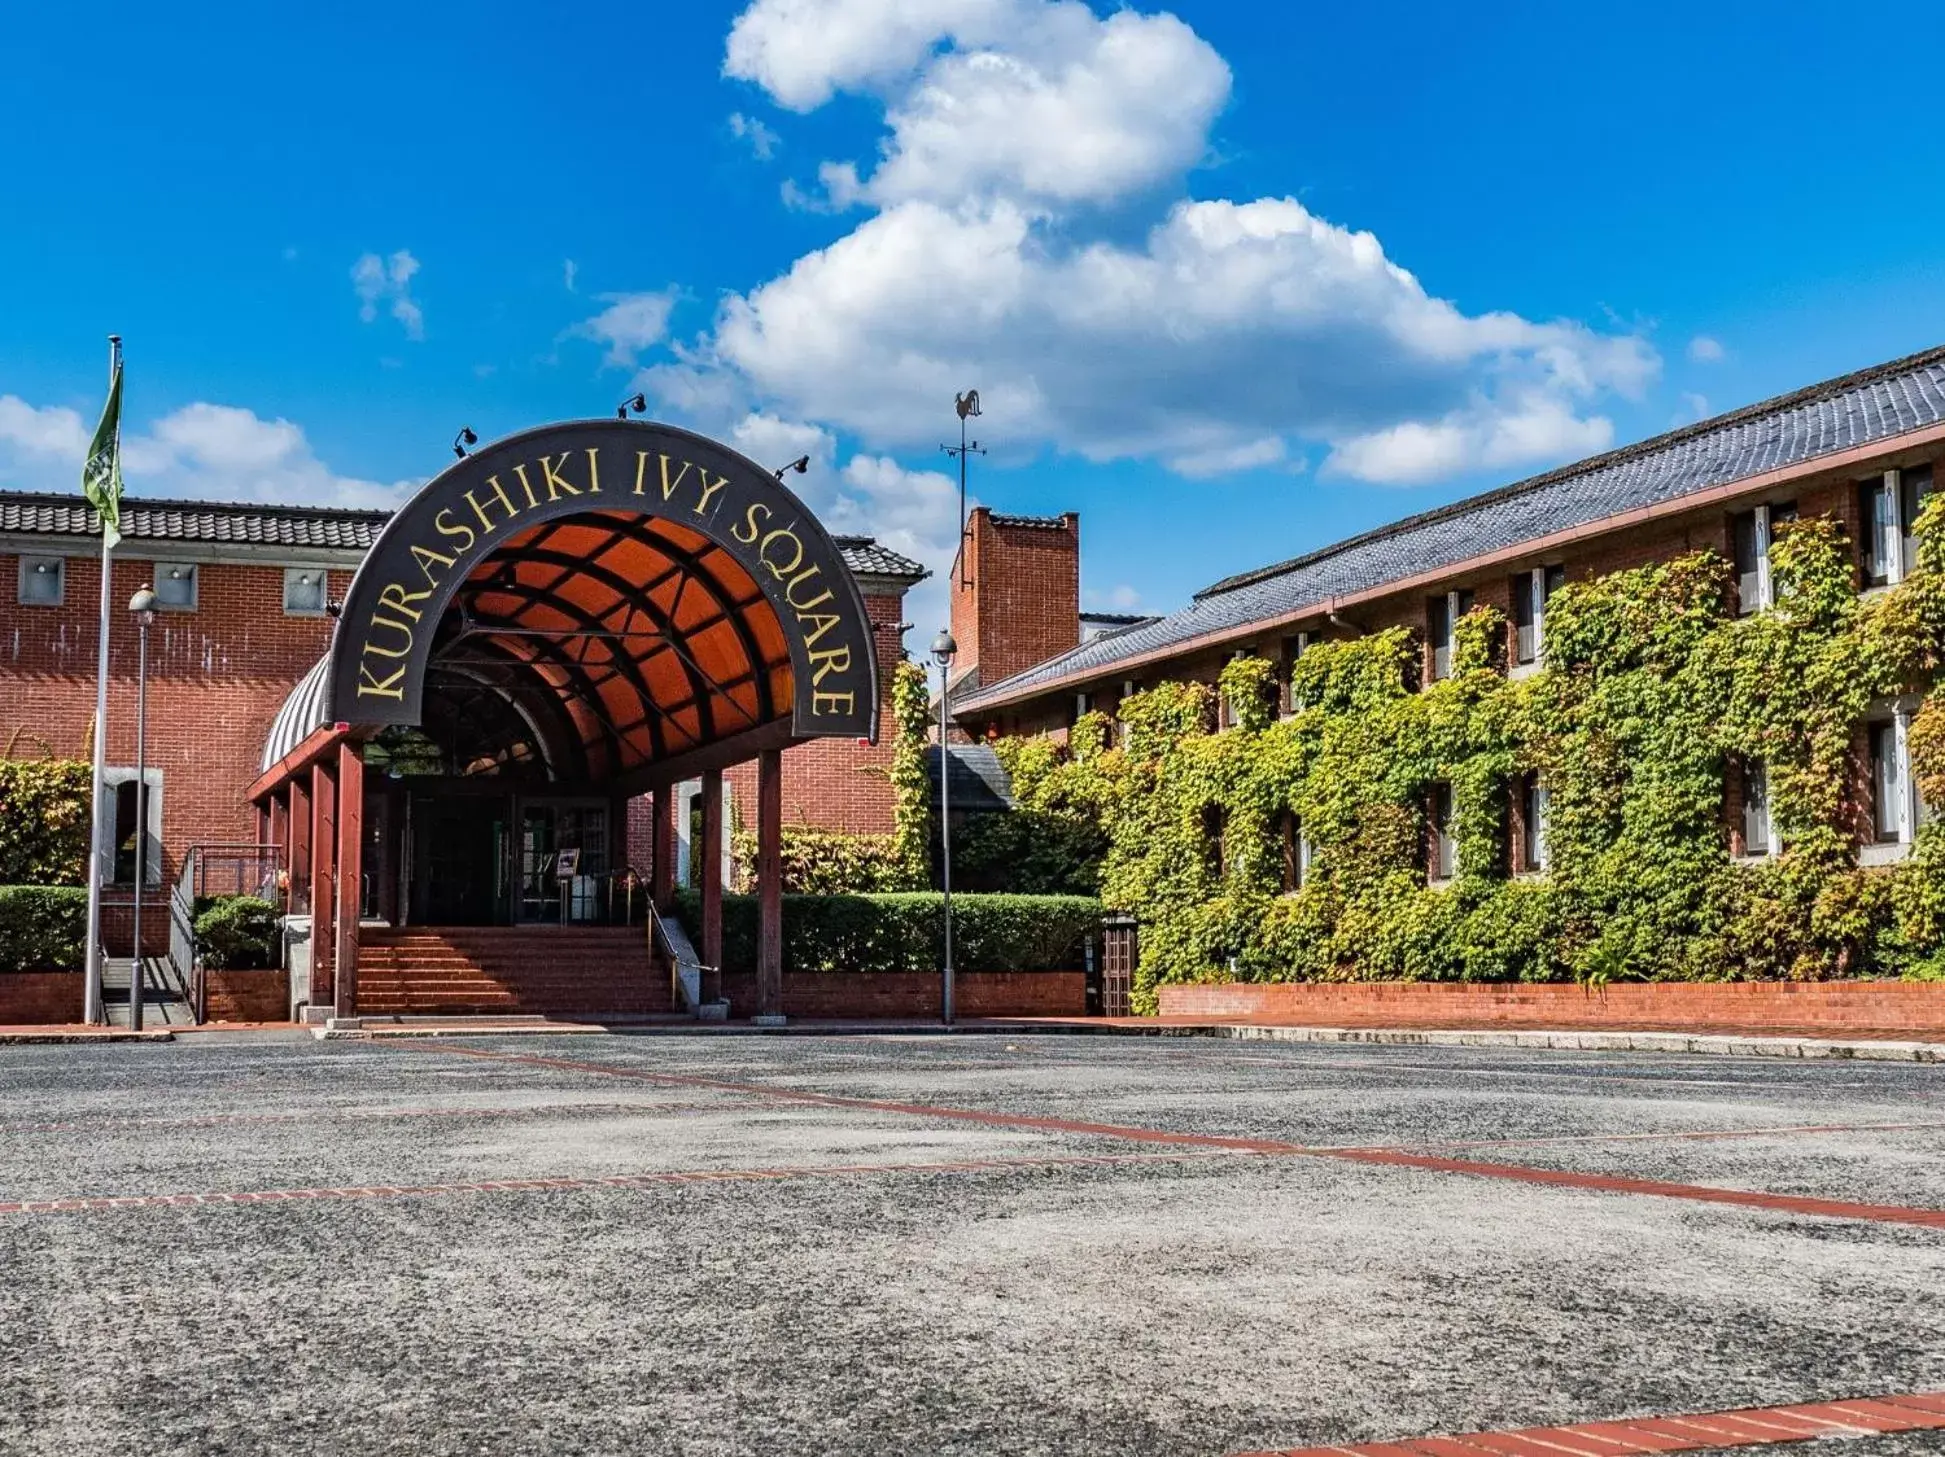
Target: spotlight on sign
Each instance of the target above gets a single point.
(799, 465)
(464, 438)
(637, 403)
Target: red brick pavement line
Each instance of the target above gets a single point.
(1398, 1158)
(104, 1203)
(221, 1120)
(1746, 1427)
(1697, 1135)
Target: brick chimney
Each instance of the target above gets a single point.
(1016, 593)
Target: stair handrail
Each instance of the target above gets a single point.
(184, 958)
(674, 943)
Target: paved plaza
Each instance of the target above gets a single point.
(971, 1244)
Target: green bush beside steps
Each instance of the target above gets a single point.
(906, 931)
(43, 927)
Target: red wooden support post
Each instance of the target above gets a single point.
(324, 840)
(351, 877)
(661, 812)
(712, 883)
(769, 876)
(297, 849)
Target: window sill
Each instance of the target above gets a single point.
(1888, 852)
(1522, 670)
(1541, 874)
(1762, 858)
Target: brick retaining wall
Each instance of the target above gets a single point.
(916, 994)
(39, 998)
(246, 996)
(1814, 1007)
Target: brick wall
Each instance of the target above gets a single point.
(1817, 1007)
(913, 994)
(1018, 600)
(217, 676)
(40, 998)
(246, 996)
(839, 784)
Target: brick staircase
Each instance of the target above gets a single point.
(590, 971)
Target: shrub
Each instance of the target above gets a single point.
(829, 862)
(237, 933)
(44, 813)
(906, 931)
(43, 927)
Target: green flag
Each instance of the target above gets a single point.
(101, 477)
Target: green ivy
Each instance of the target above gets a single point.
(44, 812)
(43, 927)
(830, 862)
(1650, 686)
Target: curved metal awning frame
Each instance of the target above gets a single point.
(678, 605)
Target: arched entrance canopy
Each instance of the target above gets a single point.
(635, 593)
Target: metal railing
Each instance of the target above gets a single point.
(246, 868)
(183, 960)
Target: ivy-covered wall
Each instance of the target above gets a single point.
(1651, 690)
(830, 862)
(44, 813)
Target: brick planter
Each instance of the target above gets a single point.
(39, 998)
(246, 996)
(1831, 1008)
(910, 994)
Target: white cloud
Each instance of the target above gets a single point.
(803, 51)
(45, 430)
(763, 141)
(1234, 335)
(201, 451)
(388, 281)
(1016, 98)
(631, 323)
(569, 268)
(1705, 350)
(772, 443)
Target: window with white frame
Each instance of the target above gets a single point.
(1751, 534)
(1758, 827)
(1444, 848)
(175, 586)
(1533, 826)
(1296, 853)
(305, 590)
(1294, 647)
(1887, 508)
(43, 581)
(1530, 591)
(131, 827)
(1442, 615)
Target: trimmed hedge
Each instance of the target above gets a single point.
(906, 931)
(237, 933)
(43, 927)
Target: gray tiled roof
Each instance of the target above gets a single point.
(36, 513)
(47, 514)
(864, 556)
(1858, 409)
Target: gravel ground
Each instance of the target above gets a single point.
(1180, 1301)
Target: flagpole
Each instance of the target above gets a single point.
(93, 1011)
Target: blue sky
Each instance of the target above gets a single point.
(1233, 279)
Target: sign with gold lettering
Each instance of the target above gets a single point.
(392, 612)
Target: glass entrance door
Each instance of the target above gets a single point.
(563, 860)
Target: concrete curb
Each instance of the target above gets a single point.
(1717, 1044)
(59, 1035)
(1711, 1044)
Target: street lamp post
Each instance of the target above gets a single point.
(142, 604)
(943, 650)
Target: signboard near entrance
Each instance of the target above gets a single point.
(426, 551)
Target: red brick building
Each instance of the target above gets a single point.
(588, 702)
(1864, 449)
